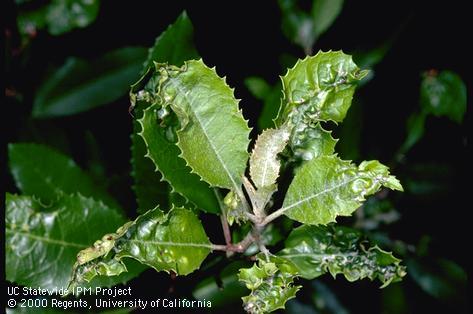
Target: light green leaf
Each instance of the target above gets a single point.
(213, 136)
(271, 285)
(316, 250)
(319, 88)
(81, 85)
(264, 161)
(42, 242)
(165, 154)
(444, 94)
(327, 187)
(175, 241)
(59, 16)
(45, 173)
(175, 45)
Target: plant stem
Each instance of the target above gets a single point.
(272, 216)
(239, 247)
(223, 218)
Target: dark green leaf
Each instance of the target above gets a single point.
(443, 94)
(42, 242)
(441, 278)
(175, 241)
(81, 85)
(339, 250)
(415, 131)
(349, 133)
(150, 189)
(258, 87)
(324, 13)
(175, 45)
(45, 173)
(65, 15)
(304, 28)
(223, 289)
(58, 16)
(271, 97)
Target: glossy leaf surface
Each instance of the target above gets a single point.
(316, 250)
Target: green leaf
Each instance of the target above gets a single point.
(213, 136)
(165, 155)
(350, 133)
(264, 161)
(42, 242)
(65, 15)
(415, 131)
(327, 187)
(271, 285)
(309, 141)
(45, 174)
(222, 289)
(443, 94)
(271, 97)
(175, 45)
(324, 14)
(440, 278)
(81, 85)
(305, 28)
(148, 186)
(258, 87)
(316, 250)
(174, 241)
(319, 88)
(58, 16)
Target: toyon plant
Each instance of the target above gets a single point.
(192, 153)
(198, 140)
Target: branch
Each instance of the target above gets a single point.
(239, 247)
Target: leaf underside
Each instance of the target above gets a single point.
(264, 162)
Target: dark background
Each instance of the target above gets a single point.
(243, 39)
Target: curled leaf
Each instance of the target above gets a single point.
(271, 285)
(316, 250)
(175, 241)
